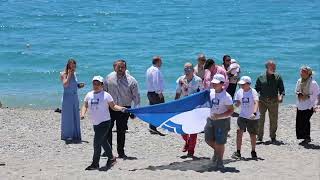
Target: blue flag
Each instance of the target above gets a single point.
(183, 116)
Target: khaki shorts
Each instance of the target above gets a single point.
(247, 124)
(217, 130)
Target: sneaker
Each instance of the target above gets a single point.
(220, 164)
(190, 154)
(254, 155)
(305, 141)
(273, 140)
(236, 155)
(92, 167)
(122, 156)
(260, 139)
(110, 163)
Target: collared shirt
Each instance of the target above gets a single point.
(123, 89)
(199, 71)
(186, 88)
(155, 81)
(313, 100)
(269, 86)
(208, 76)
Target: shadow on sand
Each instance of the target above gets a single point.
(198, 164)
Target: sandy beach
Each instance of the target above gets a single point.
(31, 148)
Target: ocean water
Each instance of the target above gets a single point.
(38, 37)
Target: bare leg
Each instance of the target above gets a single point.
(253, 138)
(219, 150)
(239, 139)
(211, 144)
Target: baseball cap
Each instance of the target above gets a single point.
(218, 78)
(244, 80)
(97, 78)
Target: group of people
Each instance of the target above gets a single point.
(111, 96)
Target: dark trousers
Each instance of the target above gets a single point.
(154, 98)
(100, 140)
(121, 120)
(232, 89)
(303, 123)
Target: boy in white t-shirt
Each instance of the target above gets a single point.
(97, 103)
(218, 124)
(248, 100)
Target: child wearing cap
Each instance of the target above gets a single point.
(97, 103)
(248, 100)
(218, 124)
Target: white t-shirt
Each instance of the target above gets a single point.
(186, 88)
(247, 100)
(313, 100)
(220, 101)
(98, 109)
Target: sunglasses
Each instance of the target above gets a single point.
(188, 70)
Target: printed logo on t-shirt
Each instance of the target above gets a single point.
(245, 100)
(94, 103)
(215, 102)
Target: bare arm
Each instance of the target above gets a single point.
(65, 79)
(226, 114)
(84, 109)
(177, 96)
(256, 106)
(115, 107)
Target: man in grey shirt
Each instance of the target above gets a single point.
(124, 90)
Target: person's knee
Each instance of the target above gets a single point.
(210, 142)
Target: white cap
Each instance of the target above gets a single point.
(244, 80)
(218, 78)
(97, 78)
(233, 61)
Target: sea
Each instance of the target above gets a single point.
(38, 37)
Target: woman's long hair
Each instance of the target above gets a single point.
(70, 61)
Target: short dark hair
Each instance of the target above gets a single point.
(209, 63)
(225, 57)
(156, 59)
(119, 60)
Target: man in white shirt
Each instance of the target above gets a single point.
(155, 86)
(97, 103)
(248, 100)
(218, 124)
(186, 85)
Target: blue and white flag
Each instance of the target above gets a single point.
(183, 116)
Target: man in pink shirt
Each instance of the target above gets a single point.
(210, 70)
